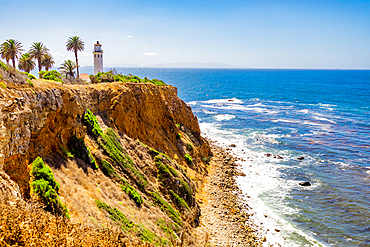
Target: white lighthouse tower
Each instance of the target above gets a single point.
(98, 58)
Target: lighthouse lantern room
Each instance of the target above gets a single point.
(98, 58)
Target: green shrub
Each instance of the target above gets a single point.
(206, 160)
(185, 188)
(189, 146)
(111, 77)
(1, 77)
(3, 66)
(166, 207)
(179, 201)
(127, 225)
(92, 121)
(188, 159)
(178, 136)
(79, 149)
(164, 169)
(116, 215)
(107, 168)
(66, 152)
(131, 192)
(52, 75)
(31, 77)
(109, 141)
(178, 126)
(30, 82)
(168, 229)
(2, 85)
(45, 187)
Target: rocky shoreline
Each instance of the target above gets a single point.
(224, 215)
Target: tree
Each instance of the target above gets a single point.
(75, 44)
(67, 68)
(38, 51)
(47, 62)
(26, 63)
(11, 49)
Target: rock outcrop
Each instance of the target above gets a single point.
(35, 120)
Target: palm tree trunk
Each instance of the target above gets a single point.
(13, 59)
(39, 62)
(78, 73)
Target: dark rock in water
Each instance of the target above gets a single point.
(300, 158)
(305, 183)
(279, 157)
(233, 145)
(268, 155)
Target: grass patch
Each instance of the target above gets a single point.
(168, 229)
(166, 207)
(180, 202)
(2, 85)
(90, 118)
(131, 192)
(188, 159)
(66, 152)
(111, 76)
(44, 186)
(127, 225)
(107, 168)
(178, 136)
(186, 188)
(109, 141)
(80, 150)
(189, 146)
(116, 215)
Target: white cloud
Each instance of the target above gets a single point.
(86, 54)
(56, 54)
(130, 36)
(145, 45)
(153, 53)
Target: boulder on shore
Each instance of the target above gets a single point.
(305, 183)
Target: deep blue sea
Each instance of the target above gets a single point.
(321, 115)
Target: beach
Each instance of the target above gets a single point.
(224, 214)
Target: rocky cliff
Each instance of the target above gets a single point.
(148, 143)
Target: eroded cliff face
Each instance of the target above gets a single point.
(36, 120)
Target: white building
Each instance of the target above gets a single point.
(98, 58)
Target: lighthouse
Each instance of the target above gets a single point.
(98, 58)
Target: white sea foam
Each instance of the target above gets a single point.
(192, 103)
(262, 183)
(223, 101)
(242, 108)
(324, 119)
(304, 111)
(224, 117)
(209, 112)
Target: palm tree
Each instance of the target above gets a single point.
(67, 68)
(38, 51)
(26, 63)
(75, 44)
(11, 49)
(47, 62)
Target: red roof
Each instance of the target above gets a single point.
(84, 76)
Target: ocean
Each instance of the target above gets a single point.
(320, 115)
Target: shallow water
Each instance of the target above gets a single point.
(321, 115)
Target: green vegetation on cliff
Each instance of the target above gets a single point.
(127, 225)
(114, 77)
(46, 188)
(52, 75)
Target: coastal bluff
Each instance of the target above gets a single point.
(126, 156)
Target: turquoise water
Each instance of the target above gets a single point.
(321, 115)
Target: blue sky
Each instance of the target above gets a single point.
(256, 34)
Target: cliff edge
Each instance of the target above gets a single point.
(126, 155)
